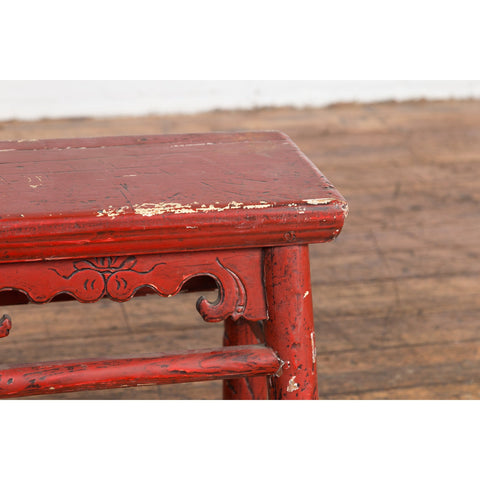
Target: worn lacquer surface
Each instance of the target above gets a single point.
(113, 217)
(97, 374)
(237, 273)
(131, 195)
(244, 332)
(289, 329)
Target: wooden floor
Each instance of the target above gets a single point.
(396, 296)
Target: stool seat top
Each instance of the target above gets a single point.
(70, 198)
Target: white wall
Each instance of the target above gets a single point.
(33, 99)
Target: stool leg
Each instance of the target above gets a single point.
(290, 329)
(243, 332)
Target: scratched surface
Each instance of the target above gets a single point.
(155, 175)
(396, 297)
(89, 197)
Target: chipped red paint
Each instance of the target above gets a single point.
(139, 195)
(117, 216)
(104, 373)
(290, 329)
(244, 332)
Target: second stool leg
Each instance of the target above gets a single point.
(290, 329)
(243, 332)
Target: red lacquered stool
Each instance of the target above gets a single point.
(116, 216)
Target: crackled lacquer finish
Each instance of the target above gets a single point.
(166, 193)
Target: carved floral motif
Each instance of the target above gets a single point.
(238, 275)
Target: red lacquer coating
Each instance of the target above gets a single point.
(114, 216)
(238, 274)
(5, 325)
(137, 195)
(244, 332)
(97, 374)
(290, 329)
